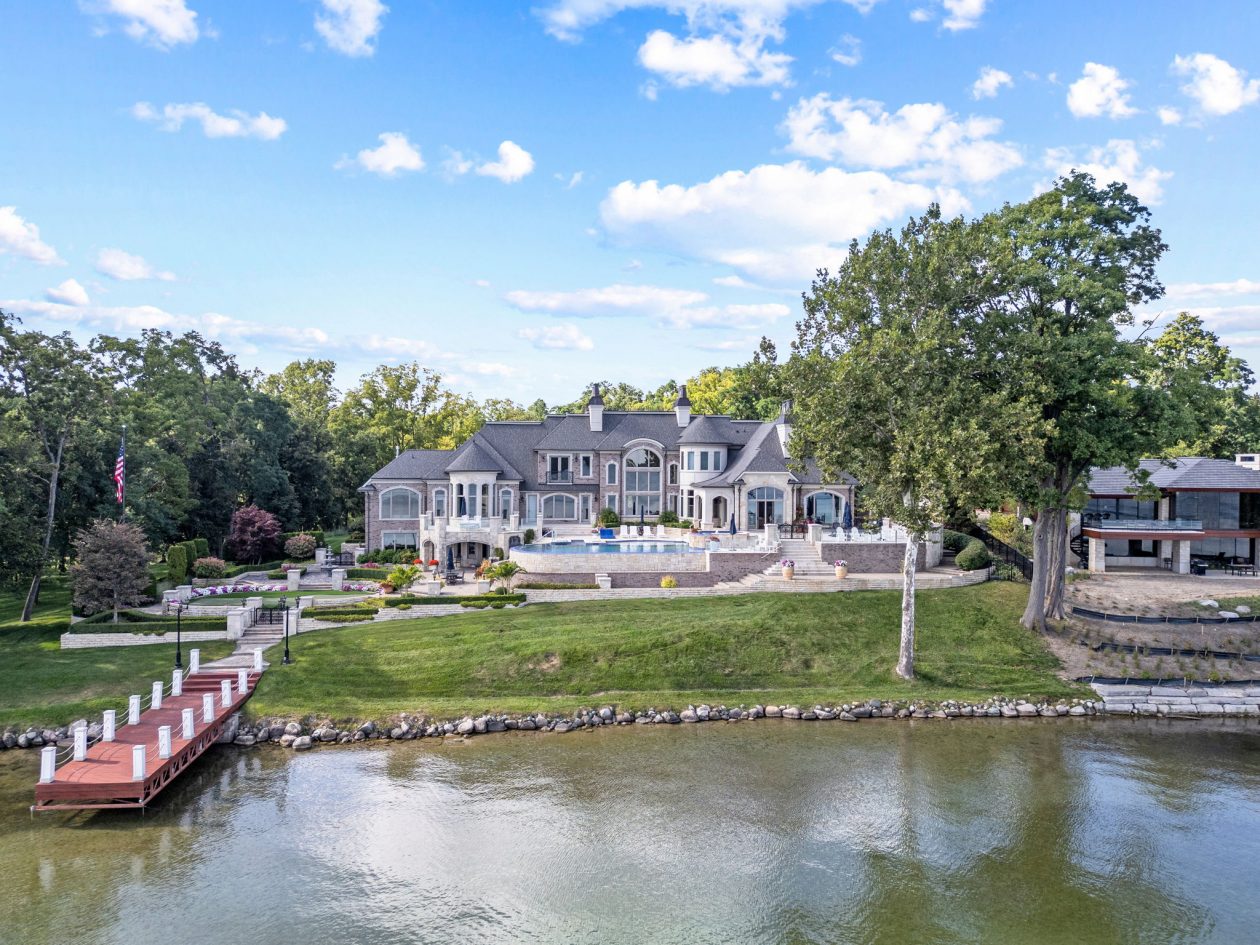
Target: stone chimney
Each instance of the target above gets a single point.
(682, 407)
(1248, 460)
(784, 425)
(595, 407)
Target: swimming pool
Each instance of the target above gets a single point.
(594, 557)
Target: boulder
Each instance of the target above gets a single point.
(757, 712)
(496, 725)
(526, 725)
(302, 743)
(480, 725)
(848, 717)
(1008, 712)
(774, 712)
(791, 712)
(286, 741)
(563, 726)
(1025, 709)
(607, 714)
(689, 715)
(245, 741)
(1077, 710)
(231, 728)
(466, 727)
(293, 728)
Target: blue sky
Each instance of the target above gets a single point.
(527, 197)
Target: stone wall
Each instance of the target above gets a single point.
(83, 641)
(722, 567)
(866, 557)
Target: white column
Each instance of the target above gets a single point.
(156, 701)
(1181, 557)
(258, 660)
(47, 764)
(80, 743)
(164, 741)
(338, 578)
(225, 693)
(1098, 555)
(242, 682)
(295, 579)
(177, 682)
(188, 724)
(138, 763)
(194, 662)
(109, 723)
(207, 708)
(133, 710)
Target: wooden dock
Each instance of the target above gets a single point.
(137, 757)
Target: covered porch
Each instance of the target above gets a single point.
(1152, 543)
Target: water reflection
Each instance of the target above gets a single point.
(769, 832)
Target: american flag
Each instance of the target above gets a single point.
(120, 469)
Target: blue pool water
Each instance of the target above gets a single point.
(632, 546)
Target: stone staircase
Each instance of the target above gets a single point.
(255, 638)
(808, 564)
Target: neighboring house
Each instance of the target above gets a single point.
(1192, 508)
(514, 475)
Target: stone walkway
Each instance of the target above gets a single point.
(1173, 701)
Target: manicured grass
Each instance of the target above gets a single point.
(800, 648)
(52, 613)
(41, 684)
(234, 599)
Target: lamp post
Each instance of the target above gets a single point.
(179, 635)
(284, 615)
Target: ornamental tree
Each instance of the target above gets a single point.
(112, 570)
(254, 533)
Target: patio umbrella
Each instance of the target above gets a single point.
(450, 559)
(733, 529)
(846, 521)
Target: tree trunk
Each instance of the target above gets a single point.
(1055, 578)
(32, 595)
(905, 659)
(1035, 612)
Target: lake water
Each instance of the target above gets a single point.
(1016, 833)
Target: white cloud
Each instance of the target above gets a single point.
(775, 223)
(958, 14)
(159, 23)
(397, 346)
(395, 154)
(676, 308)
(22, 239)
(127, 267)
(1215, 85)
(733, 282)
(926, 138)
(847, 52)
(990, 81)
(513, 164)
(1200, 289)
(69, 292)
(1099, 91)
(237, 124)
(456, 164)
(570, 181)
(1168, 116)
(718, 62)
(557, 338)
(488, 368)
(350, 26)
(1118, 160)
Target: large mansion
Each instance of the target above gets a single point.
(720, 473)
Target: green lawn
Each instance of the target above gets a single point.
(800, 648)
(52, 613)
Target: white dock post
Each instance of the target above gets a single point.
(156, 701)
(80, 743)
(133, 710)
(138, 763)
(189, 719)
(164, 742)
(109, 723)
(258, 660)
(47, 764)
(177, 682)
(225, 692)
(242, 682)
(194, 662)
(207, 708)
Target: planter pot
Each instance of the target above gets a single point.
(788, 573)
(842, 572)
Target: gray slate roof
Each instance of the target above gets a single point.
(1188, 472)
(416, 464)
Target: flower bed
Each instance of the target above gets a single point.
(218, 589)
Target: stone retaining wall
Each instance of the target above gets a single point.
(1242, 699)
(865, 557)
(723, 566)
(81, 641)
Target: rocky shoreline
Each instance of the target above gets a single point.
(302, 735)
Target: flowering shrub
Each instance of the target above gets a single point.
(300, 547)
(360, 586)
(669, 581)
(209, 567)
(219, 589)
(433, 562)
(368, 564)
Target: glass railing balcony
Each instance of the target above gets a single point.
(1145, 524)
(564, 475)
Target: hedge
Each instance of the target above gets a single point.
(554, 586)
(238, 569)
(141, 616)
(344, 618)
(131, 621)
(366, 574)
(177, 563)
(364, 608)
(439, 601)
(203, 547)
(955, 541)
(482, 603)
(974, 557)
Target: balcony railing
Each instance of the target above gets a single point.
(564, 475)
(1145, 525)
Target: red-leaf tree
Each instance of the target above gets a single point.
(254, 534)
(112, 570)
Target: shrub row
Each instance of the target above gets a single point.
(151, 623)
(439, 601)
(357, 617)
(974, 557)
(365, 574)
(555, 586)
(238, 569)
(391, 556)
(140, 616)
(955, 541)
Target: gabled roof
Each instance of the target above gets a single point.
(718, 429)
(623, 427)
(1187, 472)
(479, 455)
(416, 464)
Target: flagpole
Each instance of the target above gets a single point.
(122, 485)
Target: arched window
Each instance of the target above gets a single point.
(400, 503)
(825, 508)
(673, 474)
(765, 506)
(505, 504)
(643, 482)
(439, 503)
(559, 506)
(612, 474)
